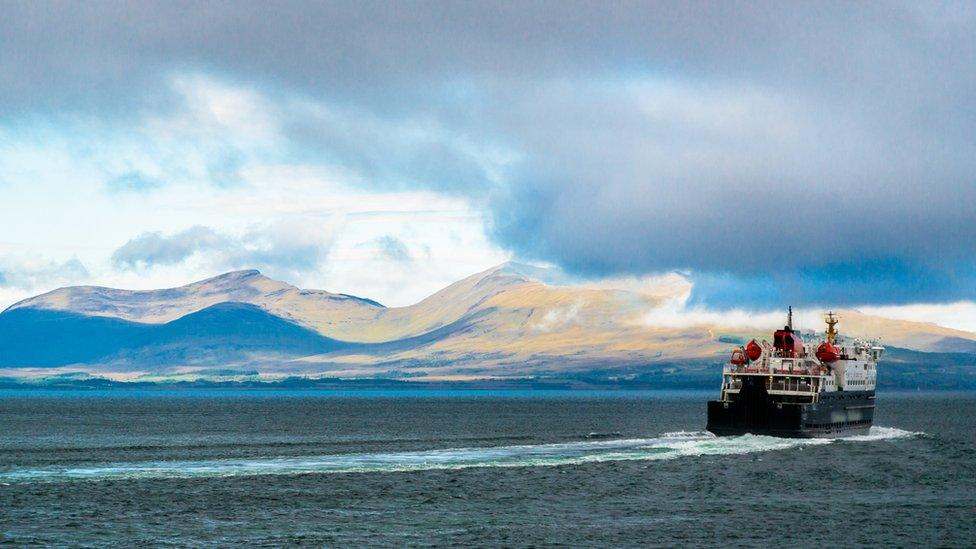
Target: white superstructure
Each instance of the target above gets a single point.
(799, 372)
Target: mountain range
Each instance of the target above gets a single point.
(510, 322)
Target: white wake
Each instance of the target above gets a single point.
(665, 447)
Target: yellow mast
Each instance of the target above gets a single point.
(831, 321)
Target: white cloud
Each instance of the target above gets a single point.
(218, 110)
(226, 192)
(559, 317)
(19, 279)
(222, 160)
(675, 311)
(960, 315)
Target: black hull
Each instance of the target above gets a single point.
(836, 414)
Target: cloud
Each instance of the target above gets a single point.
(132, 181)
(149, 249)
(559, 317)
(284, 249)
(23, 277)
(393, 151)
(960, 315)
(777, 190)
(808, 153)
(393, 249)
(868, 280)
(677, 309)
(27, 275)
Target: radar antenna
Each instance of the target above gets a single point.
(831, 321)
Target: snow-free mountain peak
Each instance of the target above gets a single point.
(157, 306)
(511, 320)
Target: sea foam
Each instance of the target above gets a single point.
(667, 446)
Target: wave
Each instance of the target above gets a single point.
(883, 433)
(665, 447)
(59, 446)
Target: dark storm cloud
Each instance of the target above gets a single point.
(397, 56)
(810, 151)
(891, 281)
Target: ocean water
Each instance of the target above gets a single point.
(515, 468)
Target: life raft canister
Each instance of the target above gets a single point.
(738, 357)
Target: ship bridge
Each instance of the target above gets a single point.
(790, 388)
(790, 371)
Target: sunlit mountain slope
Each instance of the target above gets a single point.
(512, 320)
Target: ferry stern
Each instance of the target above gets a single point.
(790, 389)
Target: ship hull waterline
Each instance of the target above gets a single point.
(835, 414)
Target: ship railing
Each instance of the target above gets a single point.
(817, 372)
(796, 371)
(793, 386)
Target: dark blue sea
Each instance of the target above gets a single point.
(199, 467)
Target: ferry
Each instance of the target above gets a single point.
(788, 388)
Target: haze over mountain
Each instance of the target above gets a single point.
(501, 323)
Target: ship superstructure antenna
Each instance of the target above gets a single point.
(831, 319)
(789, 318)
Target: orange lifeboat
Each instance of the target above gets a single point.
(828, 353)
(753, 350)
(738, 357)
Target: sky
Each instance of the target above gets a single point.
(818, 154)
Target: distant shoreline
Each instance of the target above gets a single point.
(345, 384)
(383, 384)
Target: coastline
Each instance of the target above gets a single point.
(386, 385)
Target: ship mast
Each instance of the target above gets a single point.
(831, 321)
(789, 318)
